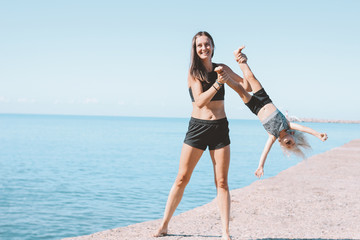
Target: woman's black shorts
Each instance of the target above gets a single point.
(212, 133)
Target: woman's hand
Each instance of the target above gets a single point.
(239, 56)
(223, 76)
(259, 172)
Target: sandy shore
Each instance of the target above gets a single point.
(317, 199)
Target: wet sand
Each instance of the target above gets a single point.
(319, 198)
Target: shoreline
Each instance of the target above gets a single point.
(326, 121)
(315, 199)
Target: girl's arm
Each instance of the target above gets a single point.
(260, 170)
(321, 136)
(202, 98)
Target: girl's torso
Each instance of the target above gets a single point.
(273, 120)
(266, 111)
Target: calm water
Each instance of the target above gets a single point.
(63, 176)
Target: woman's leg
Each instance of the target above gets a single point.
(188, 160)
(221, 162)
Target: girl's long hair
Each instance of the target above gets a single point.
(197, 69)
(301, 144)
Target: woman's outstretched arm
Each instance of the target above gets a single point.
(321, 136)
(260, 170)
(202, 98)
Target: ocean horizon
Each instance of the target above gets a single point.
(71, 175)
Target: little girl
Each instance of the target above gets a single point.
(278, 127)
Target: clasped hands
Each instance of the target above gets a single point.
(223, 76)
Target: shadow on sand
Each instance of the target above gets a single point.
(189, 235)
(305, 239)
(217, 237)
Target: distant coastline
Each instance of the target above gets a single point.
(293, 118)
(322, 120)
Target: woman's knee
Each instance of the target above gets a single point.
(222, 183)
(182, 180)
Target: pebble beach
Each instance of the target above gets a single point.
(316, 199)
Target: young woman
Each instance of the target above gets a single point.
(278, 127)
(208, 127)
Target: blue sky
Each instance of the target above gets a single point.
(131, 58)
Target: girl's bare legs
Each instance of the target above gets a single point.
(250, 77)
(224, 76)
(188, 160)
(244, 95)
(221, 162)
(248, 74)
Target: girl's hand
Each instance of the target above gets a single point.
(259, 172)
(239, 56)
(323, 137)
(223, 77)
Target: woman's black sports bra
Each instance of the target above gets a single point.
(212, 76)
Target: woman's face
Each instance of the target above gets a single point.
(204, 48)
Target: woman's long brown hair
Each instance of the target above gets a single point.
(197, 69)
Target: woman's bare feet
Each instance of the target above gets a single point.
(161, 232)
(226, 237)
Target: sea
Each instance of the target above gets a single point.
(66, 176)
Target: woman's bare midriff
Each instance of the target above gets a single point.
(212, 111)
(265, 111)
